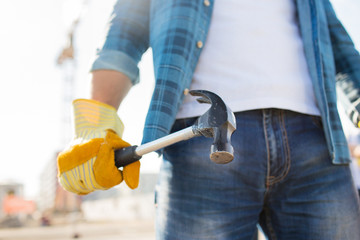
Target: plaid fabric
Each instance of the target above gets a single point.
(329, 51)
(173, 30)
(347, 61)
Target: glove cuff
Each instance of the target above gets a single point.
(92, 115)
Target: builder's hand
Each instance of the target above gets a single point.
(88, 164)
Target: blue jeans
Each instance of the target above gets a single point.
(281, 178)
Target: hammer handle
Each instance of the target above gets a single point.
(132, 154)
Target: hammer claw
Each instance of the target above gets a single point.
(203, 97)
(203, 100)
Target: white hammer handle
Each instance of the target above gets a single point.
(131, 154)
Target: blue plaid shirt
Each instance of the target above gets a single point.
(176, 31)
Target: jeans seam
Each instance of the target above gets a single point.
(267, 151)
(269, 225)
(286, 149)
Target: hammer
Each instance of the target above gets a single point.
(218, 123)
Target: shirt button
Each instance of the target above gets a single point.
(206, 3)
(199, 44)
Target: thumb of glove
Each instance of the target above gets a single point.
(131, 174)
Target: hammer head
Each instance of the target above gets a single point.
(218, 123)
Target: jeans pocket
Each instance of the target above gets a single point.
(317, 121)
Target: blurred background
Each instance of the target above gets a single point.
(47, 47)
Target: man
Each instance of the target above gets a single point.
(274, 64)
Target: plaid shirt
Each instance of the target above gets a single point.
(176, 31)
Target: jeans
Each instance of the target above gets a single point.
(281, 179)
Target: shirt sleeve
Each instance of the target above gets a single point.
(126, 40)
(347, 58)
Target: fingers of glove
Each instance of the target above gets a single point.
(78, 154)
(89, 166)
(68, 185)
(131, 174)
(114, 140)
(80, 180)
(75, 170)
(82, 176)
(106, 173)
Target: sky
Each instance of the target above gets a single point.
(32, 93)
(32, 123)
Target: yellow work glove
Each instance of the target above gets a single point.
(88, 163)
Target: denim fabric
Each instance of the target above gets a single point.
(281, 177)
(173, 28)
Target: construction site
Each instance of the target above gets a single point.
(119, 213)
(50, 212)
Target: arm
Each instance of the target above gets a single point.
(347, 58)
(347, 64)
(87, 164)
(115, 68)
(109, 87)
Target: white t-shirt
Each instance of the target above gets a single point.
(253, 58)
